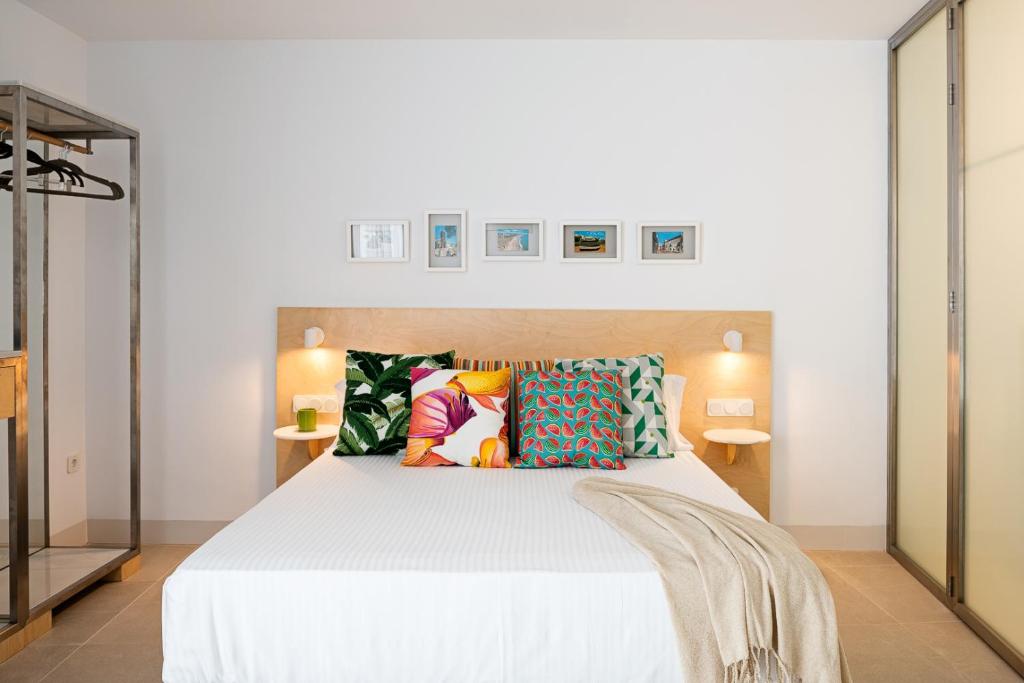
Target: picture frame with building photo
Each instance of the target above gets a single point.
(446, 240)
(591, 241)
(669, 243)
(378, 241)
(513, 239)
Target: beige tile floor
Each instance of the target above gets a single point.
(892, 628)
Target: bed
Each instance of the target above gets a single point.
(358, 569)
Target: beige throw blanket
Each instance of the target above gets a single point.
(747, 604)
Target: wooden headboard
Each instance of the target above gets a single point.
(690, 340)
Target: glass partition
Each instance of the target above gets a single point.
(80, 504)
(107, 382)
(921, 285)
(36, 341)
(993, 106)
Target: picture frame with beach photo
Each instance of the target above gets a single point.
(513, 239)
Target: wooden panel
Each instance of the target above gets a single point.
(20, 639)
(690, 340)
(125, 570)
(8, 391)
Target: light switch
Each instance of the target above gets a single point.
(730, 407)
(321, 403)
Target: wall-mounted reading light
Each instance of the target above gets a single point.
(314, 337)
(733, 341)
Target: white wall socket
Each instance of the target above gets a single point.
(730, 407)
(321, 403)
(74, 463)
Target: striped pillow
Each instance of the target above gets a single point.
(517, 367)
(492, 365)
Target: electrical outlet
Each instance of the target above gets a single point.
(730, 407)
(322, 403)
(74, 463)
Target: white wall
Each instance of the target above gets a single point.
(38, 52)
(254, 153)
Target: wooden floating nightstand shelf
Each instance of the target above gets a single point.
(736, 437)
(313, 439)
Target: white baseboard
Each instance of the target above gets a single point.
(179, 531)
(154, 531)
(76, 534)
(36, 528)
(839, 537)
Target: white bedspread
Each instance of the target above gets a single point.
(359, 569)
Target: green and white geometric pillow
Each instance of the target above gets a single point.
(644, 427)
(378, 400)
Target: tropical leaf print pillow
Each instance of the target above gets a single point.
(459, 418)
(570, 419)
(378, 400)
(644, 426)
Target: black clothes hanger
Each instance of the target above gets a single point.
(6, 181)
(42, 165)
(61, 167)
(65, 166)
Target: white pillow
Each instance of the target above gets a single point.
(673, 387)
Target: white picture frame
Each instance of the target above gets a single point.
(575, 252)
(690, 248)
(438, 258)
(367, 241)
(493, 242)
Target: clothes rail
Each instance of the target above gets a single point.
(43, 137)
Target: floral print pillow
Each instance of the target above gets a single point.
(458, 418)
(571, 419)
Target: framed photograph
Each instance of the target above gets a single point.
(446, 240)
(668, 243)
(591, 241)
(514, 239)
(378, 241)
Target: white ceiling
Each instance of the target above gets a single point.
(258, 19)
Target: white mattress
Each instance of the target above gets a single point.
(359, 569)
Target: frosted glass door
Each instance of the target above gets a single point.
(921, 291)
(994, 314)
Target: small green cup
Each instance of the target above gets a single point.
(307, 419)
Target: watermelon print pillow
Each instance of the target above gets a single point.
(378, 400)
(458, 418)
(570, 419)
